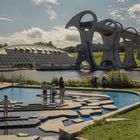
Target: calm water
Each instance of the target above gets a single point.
(123, 99)
(49, 75)
(21, 94)
(29, 95)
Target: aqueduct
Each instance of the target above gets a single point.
(111, 32)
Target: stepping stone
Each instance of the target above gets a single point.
(10, 117)
(83, 103)
(92, 100)
(22, 135)
(106, 102)
(50, 138)
(117, 119)
(79, 138)
(14, 137)
(78, 100)
(90, 107)
(57, 113)
(19, 123)
(53, 125)
(94, 104)
(110, 107)
(93, 95)
(88, 112)
(77, 120)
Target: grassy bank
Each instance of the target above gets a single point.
(122, 130)
(98, 55)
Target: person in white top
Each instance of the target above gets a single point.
(5, 103)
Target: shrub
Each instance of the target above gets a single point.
(55, 81)
(120, 80)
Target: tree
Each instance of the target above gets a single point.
(5, 45)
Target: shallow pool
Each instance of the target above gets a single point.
(21, 94)
(122, 99)
(29, 94)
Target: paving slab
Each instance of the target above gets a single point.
(101, 102)
(83, 103)
(88, 112)
(50, 138)
(53, 125)
(106, 102)
(93, 95)
(77, 120)
(14, 137)
(19, 124)
(94, 104)
(90, 107)
(78, 100)
(110, 107)
(57, 113)
(91, 100)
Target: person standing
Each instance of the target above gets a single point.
(94, 82)
(104, 82)
(54, 93)
(62, 89)
(44, 88)
(5, 103)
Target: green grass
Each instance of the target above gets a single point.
(122, 130)
(98, 55)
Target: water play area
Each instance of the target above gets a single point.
(79, 106)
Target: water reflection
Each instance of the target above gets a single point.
(49, 75)
(5, 131)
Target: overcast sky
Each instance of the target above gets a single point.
(29, 21)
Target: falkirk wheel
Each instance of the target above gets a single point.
(111, 32)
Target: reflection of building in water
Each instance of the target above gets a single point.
(35, 57)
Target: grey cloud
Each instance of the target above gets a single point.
(73, 38)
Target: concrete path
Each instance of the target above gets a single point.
(53, 125)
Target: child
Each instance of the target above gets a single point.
(5, 103)
(54, 93)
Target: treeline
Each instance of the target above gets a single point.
(3, 45)
(75, 49)
(72, 49)
(50, 44)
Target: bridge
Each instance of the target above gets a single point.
(111, 32)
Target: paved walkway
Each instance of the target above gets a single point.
(53, 125)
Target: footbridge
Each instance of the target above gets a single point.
(111, 32)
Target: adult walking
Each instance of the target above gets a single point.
(62, 89)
